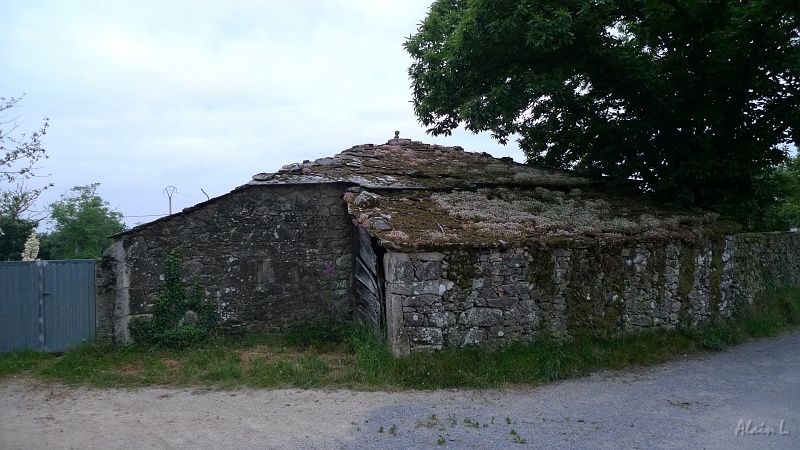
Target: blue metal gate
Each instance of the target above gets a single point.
(46, 305)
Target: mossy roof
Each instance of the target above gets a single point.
(406, 164)
(513, 216)
(412, 195)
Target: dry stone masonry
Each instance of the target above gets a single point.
(495, 296)
(269, 258)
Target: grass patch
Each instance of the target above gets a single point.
(313, 357)
(21, 361)
(535, 363)
(343, 356)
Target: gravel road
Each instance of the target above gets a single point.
(747, 397)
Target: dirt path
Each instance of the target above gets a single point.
(693, 403)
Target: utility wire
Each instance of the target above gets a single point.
(50, 219)
(193, 198)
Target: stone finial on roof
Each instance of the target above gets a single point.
(397, 139)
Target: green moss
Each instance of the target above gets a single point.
(614, 270)
(721, 228)
(542, 269)
(687, 270)
(776, 274)
(590, 308)
(458, 295)
(611, 316)
(579, 314)
(570, 242)
(715, 279)
(461, 268)
(585, 317)
(658, 265)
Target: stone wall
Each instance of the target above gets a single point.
(765, 260)
(269, 257)
(105, 292)
(577, 287)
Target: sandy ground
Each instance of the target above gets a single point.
(702, 401)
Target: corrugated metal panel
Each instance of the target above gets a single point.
(69, 303)
(46, 305)
(19, 306)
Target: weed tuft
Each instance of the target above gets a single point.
(717, 337)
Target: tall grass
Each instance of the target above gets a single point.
(348, 356)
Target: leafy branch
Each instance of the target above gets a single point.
(18, 159)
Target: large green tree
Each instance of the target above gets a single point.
(693, 100)
(83, 222)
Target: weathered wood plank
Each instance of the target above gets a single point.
(365, 277)
(365, 251)
(367, 299)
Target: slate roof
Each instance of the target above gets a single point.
(416, 196)
(407, 164)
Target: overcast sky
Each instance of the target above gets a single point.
(145, 94)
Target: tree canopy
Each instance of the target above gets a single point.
(83, 222)
(693, 100)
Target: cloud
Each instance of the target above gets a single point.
(203, 94)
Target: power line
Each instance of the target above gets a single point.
(193, 198)
(51, 219)
(140, 192)
(149, 215)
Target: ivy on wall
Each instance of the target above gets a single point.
(180, 319)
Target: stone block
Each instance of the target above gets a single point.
(399, 268)
(428, 256)
(497, 332)
(428, 287)
(421, 300)
(504, 302)
(473, 337)
(516, 288)
(642, 321)
(414, 319)
(428, 270)
(425, 336)
(488, 292)
(442, 319)
(483, 317)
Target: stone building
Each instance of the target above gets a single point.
(437, 247)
